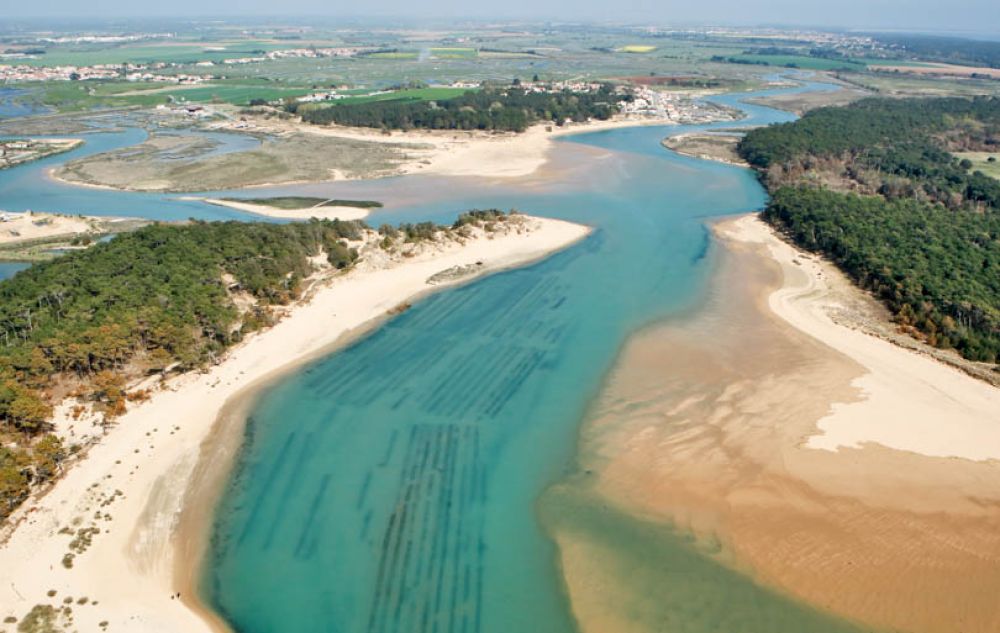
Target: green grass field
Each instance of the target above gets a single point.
(446, 52)
(71, 96)
(981, 162)
(416, 94)
(237, 95)
(394, 55)
(147, 53)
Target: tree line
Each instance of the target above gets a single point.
(162, 298)
(955, 50)
(507, 109)
(874, 187)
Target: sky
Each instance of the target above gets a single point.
(972, 16)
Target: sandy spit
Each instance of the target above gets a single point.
(907, 397)
(319, 212)
(134, 483)
(849, 474)
(461, 153)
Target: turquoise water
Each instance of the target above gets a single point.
(29, 187)
(9, 269)
(392, 487)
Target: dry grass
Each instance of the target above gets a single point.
(184, 164)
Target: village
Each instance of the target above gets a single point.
(17, 151)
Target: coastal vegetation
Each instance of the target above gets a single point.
(165, 298)
(188, 163)
(160, 297)
(955, 50)
(710, 146)
(875, 187)
(509, 109)
(18, 151)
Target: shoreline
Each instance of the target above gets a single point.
(814, 462)
(675, 143)
(150, 550)
(496, 156)
(808, 308)
(321, 212)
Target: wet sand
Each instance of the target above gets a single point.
(694, 464)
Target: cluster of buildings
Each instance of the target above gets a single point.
(334, 95)
(675, 107)
(16, 151)
(105, 39)
(55, 73)
(290, 53)
(129, 72)
(142, 72)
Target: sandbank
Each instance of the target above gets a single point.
(134, 482)
(321, 212)
(837, 470)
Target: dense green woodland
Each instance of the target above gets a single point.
(874, 187)
(162, 297)
(146, 300)
(507, 109)
(955, 50)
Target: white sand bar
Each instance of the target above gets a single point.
(908, 401)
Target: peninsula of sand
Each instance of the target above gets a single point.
(294, 153)
(772, 434)
(108, 546)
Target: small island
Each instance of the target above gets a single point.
(300, 207)
(19, 151)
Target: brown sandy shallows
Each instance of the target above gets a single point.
(710, 424)
(112, 530)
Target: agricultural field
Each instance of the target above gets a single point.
(440, 58)
(636, 48)
(145, 53)
(801, 61)
(450, 52)
(415, 94)
(890, 84)
(394, 55)
(72, 96)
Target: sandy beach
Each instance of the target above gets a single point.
(20, 227)
(830, 467)
(459, 153)
(319, 212)
(105, 541)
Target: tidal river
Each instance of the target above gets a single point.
(394, 486)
